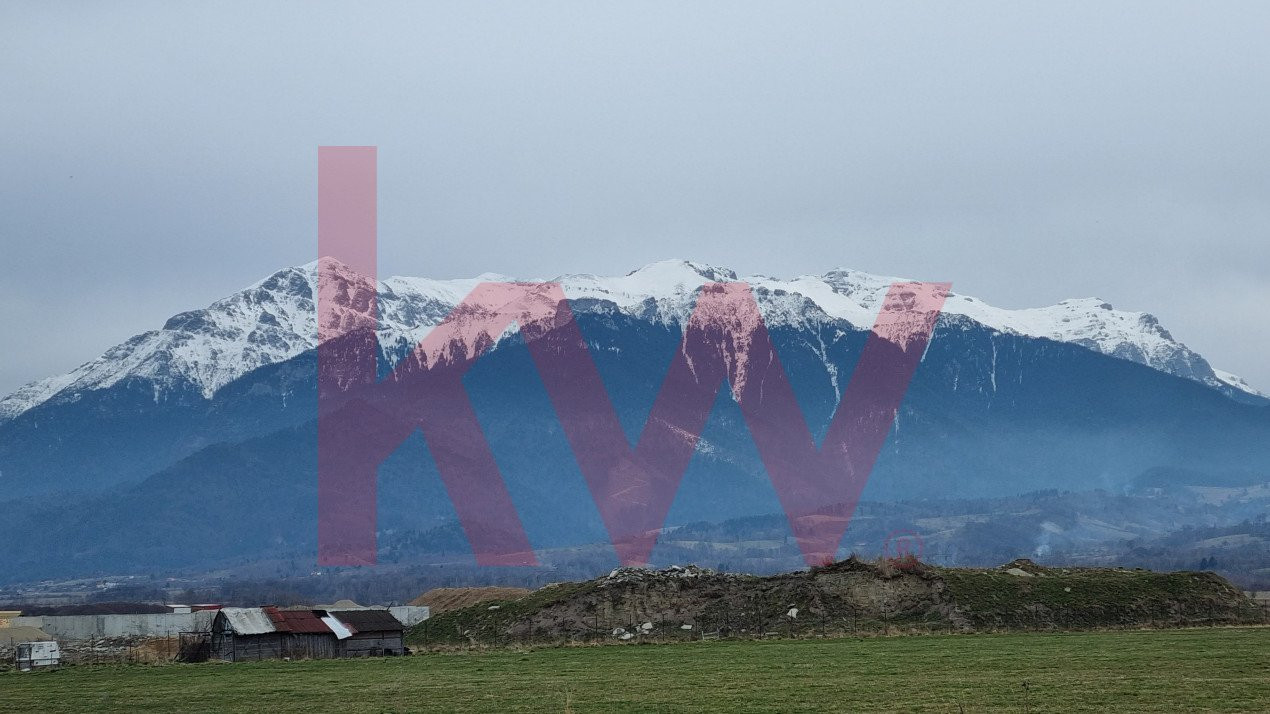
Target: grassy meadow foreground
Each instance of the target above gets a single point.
(1218, 669)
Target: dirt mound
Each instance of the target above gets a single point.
(1024, 567)
(446, 599)
(633, 604)
(850, 596)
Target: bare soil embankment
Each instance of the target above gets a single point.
(850, 596)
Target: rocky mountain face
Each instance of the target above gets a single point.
(148, 456)
(274, 320)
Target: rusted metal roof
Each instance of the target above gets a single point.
(264, 620)
(368, 620)
(302, 621)
(341, 623)
(295, 621)
(275, 616)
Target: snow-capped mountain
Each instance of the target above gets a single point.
(123, 455)
(275, 320)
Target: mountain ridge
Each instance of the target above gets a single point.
(126, 478)
(275, 319)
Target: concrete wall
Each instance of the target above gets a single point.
(87, 627)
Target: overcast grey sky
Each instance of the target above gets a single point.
(156, 156)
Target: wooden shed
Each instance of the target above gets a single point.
(251, 633)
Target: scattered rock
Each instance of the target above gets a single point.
(635, 575)
(1027, 566)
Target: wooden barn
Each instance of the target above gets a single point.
(251, 633)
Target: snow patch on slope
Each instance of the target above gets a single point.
(1238, 382)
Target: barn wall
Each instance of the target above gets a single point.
(222, 647)
(367, 644)
(310, 645)
(247, 648)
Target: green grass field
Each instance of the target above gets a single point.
(1226, 670)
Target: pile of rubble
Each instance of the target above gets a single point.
(104, 650)
(644, 575)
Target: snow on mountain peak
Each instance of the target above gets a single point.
(202, 350)
(275, 320)
(1238, 382)
(685, 271)
(1096, 324)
